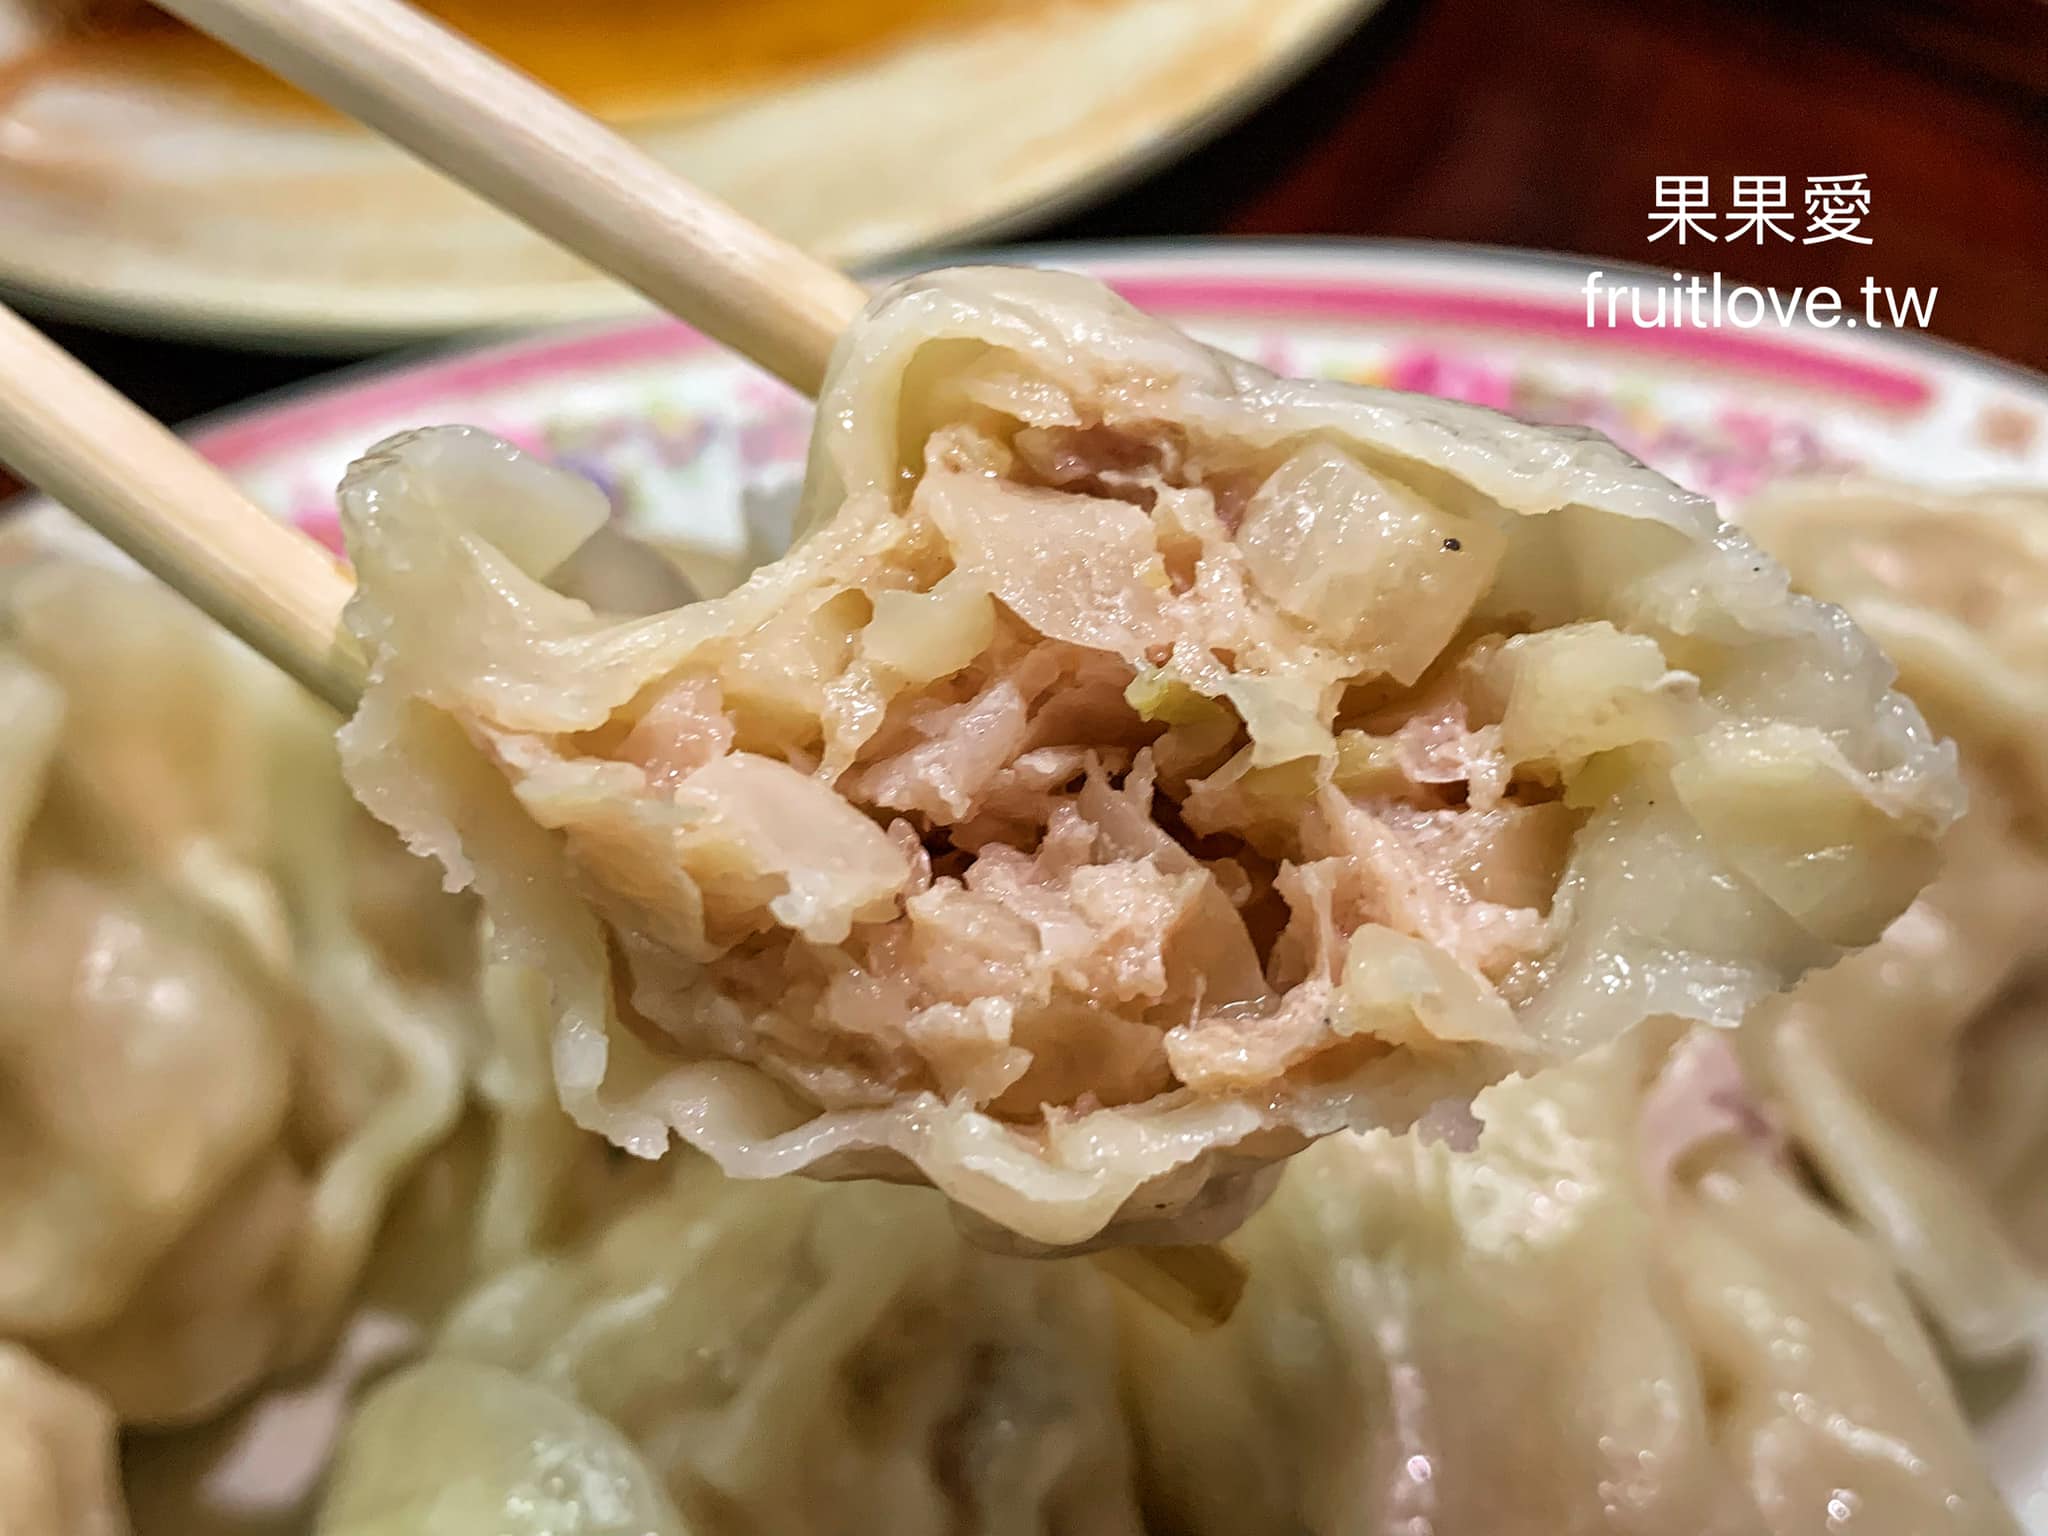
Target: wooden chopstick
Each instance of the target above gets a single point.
(508, 138)
(64, 430)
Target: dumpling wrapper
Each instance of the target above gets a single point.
(756, 1357)
(516, 1178)
(1141, 767)
(1954, 586)
(1915, 1074)
(233, 1013)
(1620, 1312)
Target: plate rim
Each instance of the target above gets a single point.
(1338, 258)
(1348, 257)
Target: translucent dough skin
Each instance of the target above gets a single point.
(1017, 831)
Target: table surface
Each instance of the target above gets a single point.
(1545, 123)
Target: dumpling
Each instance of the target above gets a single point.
(1619, 1314)
(57, 1468)
(771, 1358)
(451, 1448)
(233, 1015)
(1954, 587)
(1915, 1078)
(1140, 767)
(1915, 1075)
(514, 1178)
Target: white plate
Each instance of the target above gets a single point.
(150, 195)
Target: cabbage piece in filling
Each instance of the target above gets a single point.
(1140, 767)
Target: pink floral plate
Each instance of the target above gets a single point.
(677, 430)
(680, 433)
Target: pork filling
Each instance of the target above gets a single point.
(1124, 772)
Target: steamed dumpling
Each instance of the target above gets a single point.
(514, 1178)
(774, 1359)
(1915, 1074)
(451, 1448)
(232, 1014)
(1141, 767)
(1915, 1077)
(1619, 1314)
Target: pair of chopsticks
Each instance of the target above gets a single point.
(518, 144)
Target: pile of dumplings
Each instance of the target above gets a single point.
(298, 1235)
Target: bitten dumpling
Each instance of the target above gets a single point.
(1140, 767)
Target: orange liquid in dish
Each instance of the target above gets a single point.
(620, 58)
